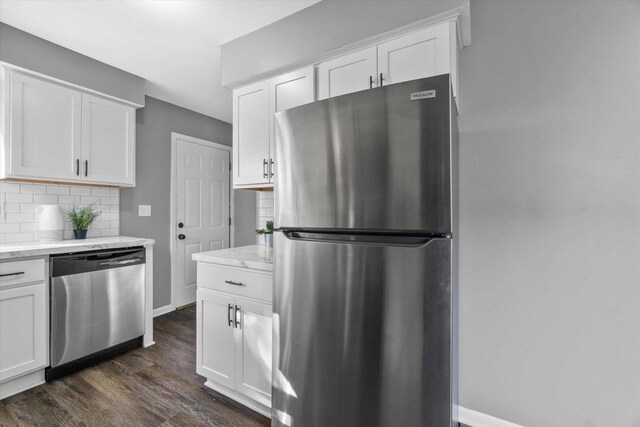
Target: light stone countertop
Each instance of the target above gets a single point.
(257, 257)
(19, 250)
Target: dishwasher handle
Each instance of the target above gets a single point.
(68, 264)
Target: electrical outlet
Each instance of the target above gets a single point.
(144, 210)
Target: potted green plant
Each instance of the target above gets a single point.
(81, 219)
(268, 234)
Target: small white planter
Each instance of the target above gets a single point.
(268, 240)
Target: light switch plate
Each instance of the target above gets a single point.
(144, 210)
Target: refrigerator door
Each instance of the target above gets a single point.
(362, 334)
(372, 160)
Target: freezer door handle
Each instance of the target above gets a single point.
(365, 238)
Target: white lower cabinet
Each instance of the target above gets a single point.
(253, 350)
(233, 344)
(215, 344)
(23, 324)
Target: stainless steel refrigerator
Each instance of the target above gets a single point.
(365, 260)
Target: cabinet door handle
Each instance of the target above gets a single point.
(229, 310)
(237, 317)
(231, 282)
(370, 82)
(270, 168)
(77, 167)
(264, 169)
(381, 79)
(86, 167)
(12, 274)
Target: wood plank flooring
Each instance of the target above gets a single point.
(155, 386)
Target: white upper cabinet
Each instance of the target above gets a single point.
(410, 55)
(288, 91)
(57, 132)
(421, 53)
(348, 73)
(44, 121)
(108, 141)
(251, 129)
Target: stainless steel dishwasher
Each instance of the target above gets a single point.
(97, 307)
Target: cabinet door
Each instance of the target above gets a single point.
(22, 330)
(45, 129)
(288, 91)
(215, 348)
(251, 134)
(420, 54)
(253, 350)
(349, 73)
(108, 141)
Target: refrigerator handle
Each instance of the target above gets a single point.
(365, 238)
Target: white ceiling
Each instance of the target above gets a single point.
(173, 44)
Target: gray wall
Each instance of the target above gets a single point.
(318, 29)
(31, 52)
(155, 122)
(550, 213)
(549, 196)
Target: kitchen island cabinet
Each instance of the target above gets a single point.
(234, 324)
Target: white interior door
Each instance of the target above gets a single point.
(202, 209)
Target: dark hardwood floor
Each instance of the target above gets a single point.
(155, 386)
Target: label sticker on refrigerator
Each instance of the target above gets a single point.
(423, 95)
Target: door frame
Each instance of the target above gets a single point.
(173, 228)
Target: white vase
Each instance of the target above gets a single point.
(268, 240)
(51, 222)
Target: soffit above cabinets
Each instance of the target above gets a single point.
(279, 45)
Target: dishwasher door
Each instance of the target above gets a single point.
(97, 302)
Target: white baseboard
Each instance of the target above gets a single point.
(478, 419)
(162, 310)
(20, 384)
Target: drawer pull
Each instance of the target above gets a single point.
(231, 282)
(12, 274)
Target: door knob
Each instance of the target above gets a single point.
(180, 225)
(181, 236)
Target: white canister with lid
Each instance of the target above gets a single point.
(51, 223)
